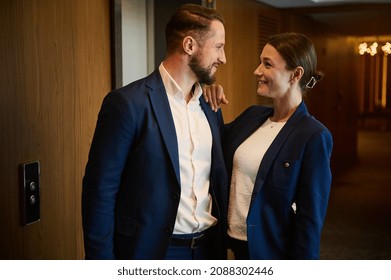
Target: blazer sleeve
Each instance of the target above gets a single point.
(110, 146)
(312, 195)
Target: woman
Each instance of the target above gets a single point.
(279, 160)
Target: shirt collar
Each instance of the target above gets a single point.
(172, 87)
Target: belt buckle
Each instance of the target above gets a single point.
(193, 244)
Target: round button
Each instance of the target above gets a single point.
(176, 196)
(33, 199)
(32, 186)
(169, 230)
(286, 164)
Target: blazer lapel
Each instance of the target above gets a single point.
(250, 127)
(276, 145)
(163, 116)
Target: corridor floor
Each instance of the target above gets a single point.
(358, 221)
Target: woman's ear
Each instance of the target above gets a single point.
(297, 73)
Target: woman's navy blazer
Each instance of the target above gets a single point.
(294, 170)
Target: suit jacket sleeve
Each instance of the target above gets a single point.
(312, 196)
(109, 150)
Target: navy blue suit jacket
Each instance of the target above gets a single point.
(131, 186)
(295, 169)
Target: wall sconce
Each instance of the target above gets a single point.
(386, 48)
(363, 48)
(372, 50)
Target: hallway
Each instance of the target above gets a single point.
(358, 221)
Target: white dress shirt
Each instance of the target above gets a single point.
(195, 156)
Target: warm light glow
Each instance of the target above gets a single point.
(372, 50)
(362, 48)
(386, 48)
(384, 79)
(379, 48)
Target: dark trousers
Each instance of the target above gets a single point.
(197, 246)
(185, 253)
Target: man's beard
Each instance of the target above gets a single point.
(203, 74)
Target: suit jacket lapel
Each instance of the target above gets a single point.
(163, 115)
(213, 124)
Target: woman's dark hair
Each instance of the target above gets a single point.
(190, 20)
(298, 50)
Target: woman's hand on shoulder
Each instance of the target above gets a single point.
(214, 95)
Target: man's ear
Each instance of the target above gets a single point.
(189, 45)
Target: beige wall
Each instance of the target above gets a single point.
(54, 72)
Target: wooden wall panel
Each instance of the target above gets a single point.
(237, 76)
(54, 73)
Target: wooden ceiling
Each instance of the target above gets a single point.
(356, 19)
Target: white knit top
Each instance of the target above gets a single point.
(246, 161)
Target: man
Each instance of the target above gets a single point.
(155, 182)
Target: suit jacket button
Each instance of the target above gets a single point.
(176, 196)
(286, 164)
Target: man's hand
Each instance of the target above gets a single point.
(214, 95)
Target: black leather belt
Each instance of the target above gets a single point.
(191, 242)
